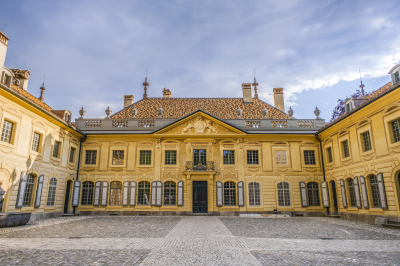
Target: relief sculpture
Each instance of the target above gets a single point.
(200, 125)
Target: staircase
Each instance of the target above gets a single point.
(392, 224)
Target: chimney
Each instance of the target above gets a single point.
(278, 99)
(246, 88)
(166, 93)
(128, 100)
(3, 51)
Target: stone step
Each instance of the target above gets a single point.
(70, 214)
(333, 216)
(392, 226)
(394, 222)
(199, 214)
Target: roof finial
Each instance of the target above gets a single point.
(362, 85)
(255, 84)
(42, 89)
(145, 84)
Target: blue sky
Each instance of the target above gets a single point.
(95, 52)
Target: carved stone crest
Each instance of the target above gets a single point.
(200, 125)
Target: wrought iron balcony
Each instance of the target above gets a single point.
(208, 166)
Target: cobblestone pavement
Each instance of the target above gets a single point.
(199, 241)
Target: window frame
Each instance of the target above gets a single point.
(351, 191)
(165, 157)
(74, 156)
(289, 193)
(55, 193)
(60, 148)
(373, 195)
(258, 157)
(145, 188)
(145, 153)
(232, 157)
(231, 196)
(138, 157)
(12, 134)
(318, 194)
(314, 148)
(329, 155)
(95, 161)
(85, 189)
(115, 201)
(119, 161)
(33, 193)
(169, 189)
(363, 141)
(304, 156)
(39, 142)
(255, 194)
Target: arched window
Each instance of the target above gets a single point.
(229, 194)
(313, 194)
(352, 192)
(51, 195)
(143, 193)
(115, 193)
(376, 198)
(283, 194)
(254, 194)
(28, 191)
(169, 193)
(87, 193)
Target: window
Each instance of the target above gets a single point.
(170, 157)
(309, 157)
(36, 142)
(6, 133)
(115, 193)
(254, 194)
(330, 157)
(376, 198)
(366, 141)
(396, 77)
(118, 158)
(87, 193)
(313, 194)
(90, 157)
(72, 155)
(229, 194)
(56, 149)
(345, 145)
(51, 195)
(252, 157)
(169, 193)
(145, 158)
(228, 157)
(28, 191)
(283, 194)
(352, 192)
(280, 157)
(396, 130)
(143, 193)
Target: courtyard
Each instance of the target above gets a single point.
(198, 240)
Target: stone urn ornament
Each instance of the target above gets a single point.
(108, 112)
(239, 113)
(317, 113)
(159, 112)
(82, 112)
(134, 112)
(290, 112)
(264, 113)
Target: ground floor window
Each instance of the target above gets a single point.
(254, 194)
(115, 193)
(51, 196)
(352, 192)
(28, 191)
(87, 193)
(229, 194)
(143, 193)
(283, 194)
(169, 193)
(313, 194)
(376, 198)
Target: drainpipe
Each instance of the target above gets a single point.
(323, 166)
(79, 162)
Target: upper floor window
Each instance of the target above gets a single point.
(309, 157)
(366, 141)
(313, 194)
(56, 149)
(376, 198)
(118, 158)
(330, 157)
(51, 196)
(254, 194)
(396, 130)
(36, 142)
(145, 158)
(280, 157)
(170, 157)
(28, 191)
(72, 155)
(345, 146)
(352, 192)
(90, 157)
(283, 194)
(7, 131)
(252, 157)
(229, 157)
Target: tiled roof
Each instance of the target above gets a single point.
(370, 98)
(224, 108)
(30, 97)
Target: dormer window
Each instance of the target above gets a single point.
(396, 77)
(395, 73)
(349, 105)
(67, 117)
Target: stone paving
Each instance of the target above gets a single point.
(199, 241)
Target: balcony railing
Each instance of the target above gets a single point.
(209, 166)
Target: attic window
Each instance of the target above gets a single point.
(349, 106)
(396, 77)
(67, 117)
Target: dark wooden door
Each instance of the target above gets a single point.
(335, 203)
(66, 201)
(200, 197)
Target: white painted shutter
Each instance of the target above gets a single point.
(325, 195)
(180, 193)
(303, 194)
(381, 188)
(21, 191)
(364, 192)
(39, 191)
(125, 194)
(241, 194)
(104, 193)
(357, 192)
(153, 192)
(97, 189)
(76, 193)
(343, 189)
(132, 194)
(219, 194)
(159, 194)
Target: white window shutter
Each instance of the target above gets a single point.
(76, 193)
(159, 193)
(343, 189)
(241, 194)
(132, 194)
(382, 192)
(153, 193)
(21, 190)
(125, 194)
(357, 192)
(303, 194)
(97, 189)
(325, 195)
(104, 193)
(219, 194)
(180, 193)
(39, 191)
(364, 192)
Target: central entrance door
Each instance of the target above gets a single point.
(200, 197)
(199, 160)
